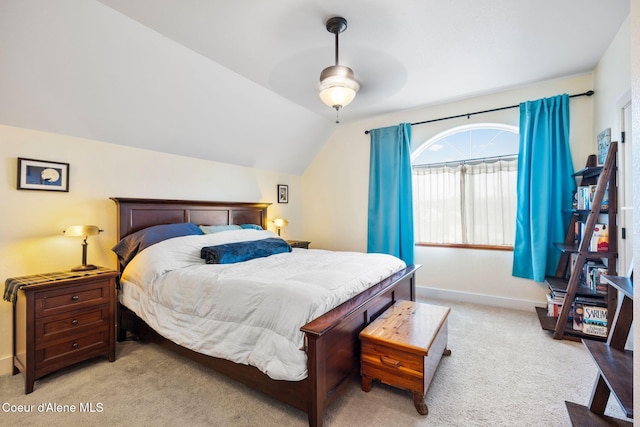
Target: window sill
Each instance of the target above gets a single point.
(467, 246)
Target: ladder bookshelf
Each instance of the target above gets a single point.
(575, 254)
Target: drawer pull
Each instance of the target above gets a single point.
(390, 362)
(75, 297)
(74, 322)
(74, 345)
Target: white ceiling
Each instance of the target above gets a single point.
(235, 81)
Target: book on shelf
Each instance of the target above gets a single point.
(554, 305)
(595, 300)
(592, 277)
(604, 205)
(590, 319)
(595, 315)
(585, 195)
(578, 317)
(583, 198)
(558, 287)
(599, 241)
(577, 233)
(597, 330)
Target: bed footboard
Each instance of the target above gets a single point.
(333, 344)
(332, 341)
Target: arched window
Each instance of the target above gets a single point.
(464, 187)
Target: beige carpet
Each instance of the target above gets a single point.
(503, 371)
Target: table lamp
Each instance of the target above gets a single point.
(280, 223)
(83, 231)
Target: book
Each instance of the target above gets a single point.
(595, 301)
(583, 200)
(604, 205)
(597, 330)
(599, 239)
(605, 199)
(554, 305)
(558, 287)
(592, 277)
(590, 316)
(578, 317)
(594, 315)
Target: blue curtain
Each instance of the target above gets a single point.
(545, 186)
(390, 224)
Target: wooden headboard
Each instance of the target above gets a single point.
(136, 214)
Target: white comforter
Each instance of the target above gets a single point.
(249, 312)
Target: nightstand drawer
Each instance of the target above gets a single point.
(72, 298)
(71, 349)
(52, 327)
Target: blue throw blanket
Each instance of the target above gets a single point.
(243, 251)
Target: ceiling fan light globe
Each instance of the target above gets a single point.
(337, 86)
(337, 96)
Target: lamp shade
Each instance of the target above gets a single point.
(82, 230)
(280, 222)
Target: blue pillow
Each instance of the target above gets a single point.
(230, 253)
(129, 246)
(209, 229)
(250, 227)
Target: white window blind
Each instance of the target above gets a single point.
(469, 201)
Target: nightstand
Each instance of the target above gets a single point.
(60, 319)
(299, 244)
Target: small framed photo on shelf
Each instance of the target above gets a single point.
(283, 193)
(42, 175)
(603, 142)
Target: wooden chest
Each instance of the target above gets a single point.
(403, 347)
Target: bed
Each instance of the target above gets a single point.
(330, 340)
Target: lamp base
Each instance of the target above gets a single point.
(84, 267)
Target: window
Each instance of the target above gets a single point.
(464, 187)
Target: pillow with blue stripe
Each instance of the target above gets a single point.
(210, 229)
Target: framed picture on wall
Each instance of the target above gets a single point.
(42, 175)
(283, 193)
(603, 142)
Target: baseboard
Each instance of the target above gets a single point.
(6, 365)
(468, 297)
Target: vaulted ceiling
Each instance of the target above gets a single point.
(236, 81)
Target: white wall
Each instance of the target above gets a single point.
(336, 186)
(31, 239)
(612, 78)
(635, 142)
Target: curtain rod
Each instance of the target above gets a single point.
(467, 115)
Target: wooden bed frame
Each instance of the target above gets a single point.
(332, 343)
